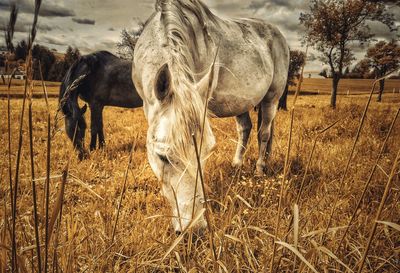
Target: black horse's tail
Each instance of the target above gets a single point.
(75, 124)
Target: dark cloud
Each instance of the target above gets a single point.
(84, 21)
(46, 10)
(24, 24)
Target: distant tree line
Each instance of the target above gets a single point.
(53, 69)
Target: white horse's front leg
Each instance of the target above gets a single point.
(243, 123)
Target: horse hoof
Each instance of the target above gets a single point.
(237, 163)
(259, 171)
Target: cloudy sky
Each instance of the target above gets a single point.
(96, 24)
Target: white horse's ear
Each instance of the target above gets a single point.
(162, 83)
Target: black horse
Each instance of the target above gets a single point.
(102, 79)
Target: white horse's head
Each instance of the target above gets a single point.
(177, 120)
(174, 72)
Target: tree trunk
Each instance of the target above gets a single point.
(381, 88)
(283, 100)
(335, 84)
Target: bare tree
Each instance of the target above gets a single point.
(384, 57)
(128, 41)
(334, 25)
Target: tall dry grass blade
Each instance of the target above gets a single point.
(330, 254)
(60, 197)
(9, 137)
(9, 32)
(353, 216)
(208, 209)
(298, 254)
(286, 166)
(34, 24)
(34, 195)
(208, 95)
(285, 170)
(310, 158)
(360, 127)
(390, 224)
(295, 232)
(298, 197)
(18, 161)
(58, 204)
(121, 197)
(378, 213)
(181, 236)
(47, 194)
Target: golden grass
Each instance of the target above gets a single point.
(243, 207)
(354, 86)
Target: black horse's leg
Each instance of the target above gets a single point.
(101, 130)
(96, 124)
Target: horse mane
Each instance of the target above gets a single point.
(179, 18)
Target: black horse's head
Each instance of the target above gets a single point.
(75, 127)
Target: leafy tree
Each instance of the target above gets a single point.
(297, 60)
(128, 41)
(60, 67)
(46, 59)
(332, 26)
(21, 50)
(71, 55)
(362, 70)
(384, 57)
(57, 71)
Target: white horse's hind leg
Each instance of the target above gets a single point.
(243, 123)
(266, 116)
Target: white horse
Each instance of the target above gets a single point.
(186, 60)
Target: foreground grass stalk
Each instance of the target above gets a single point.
(208, 95)
(298, 197)
(47, 197)
(285, 171)
(378, 213)
(34, 195)
(9, 34)
(9, 137)
(286, 166)
(121, 197)
(207, 208)
(17, 169)
(368, 181)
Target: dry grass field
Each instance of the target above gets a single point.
(309, 85)
(244, 207)
(353, 86)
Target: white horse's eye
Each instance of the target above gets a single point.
(162, 83)
(163, 158)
